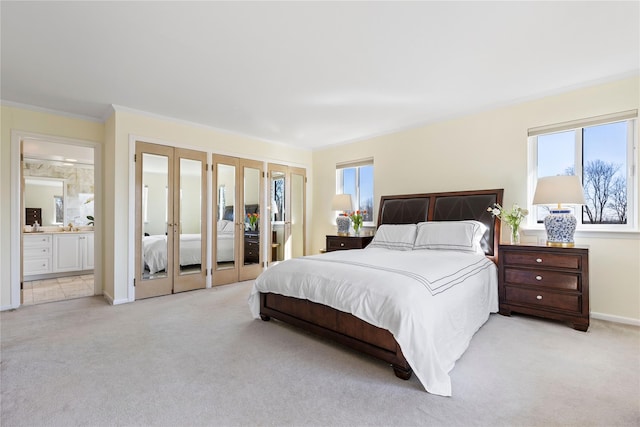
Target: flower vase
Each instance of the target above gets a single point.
(356, 229)
(515, 235)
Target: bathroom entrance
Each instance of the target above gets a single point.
(57, 225)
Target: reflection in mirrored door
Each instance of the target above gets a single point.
(251, 196)
(279, 207)
(297, 204)
(226, 221)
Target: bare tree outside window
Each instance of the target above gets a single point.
(605, 193)
(618, 201)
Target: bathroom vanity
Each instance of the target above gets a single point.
(48, 253)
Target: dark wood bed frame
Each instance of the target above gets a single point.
(402, 209)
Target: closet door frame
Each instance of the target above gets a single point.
(172, 281)
(285, 245)
(188, 282)
(146, 288)
(225, 276)
(239, 271)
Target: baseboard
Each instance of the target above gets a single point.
(616, 319)
(118, 301)
(108, 297)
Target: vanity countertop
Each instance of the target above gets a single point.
(57, 232)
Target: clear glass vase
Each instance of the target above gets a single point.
(514, 235)
(356, 228)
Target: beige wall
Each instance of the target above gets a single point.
(489, 150)
(158, 130)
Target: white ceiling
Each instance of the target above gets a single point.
(309, 74)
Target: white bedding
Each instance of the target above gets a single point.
(432, 301)
(154, 248)
(225, 241)
(154, 251)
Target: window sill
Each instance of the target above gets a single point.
(589, 234)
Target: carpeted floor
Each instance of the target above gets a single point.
(198, 358)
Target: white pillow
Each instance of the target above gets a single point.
(225, 226)
(462, 236)
(394, 236)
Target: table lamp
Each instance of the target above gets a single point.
(560, 223)
(342, 203)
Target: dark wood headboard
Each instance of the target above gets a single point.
(446, 206)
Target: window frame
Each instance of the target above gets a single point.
(577, 126)
(340, 167)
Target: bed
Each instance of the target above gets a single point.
(386, 300)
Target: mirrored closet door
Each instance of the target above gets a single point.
(171, 203)
(287, 212)
(237, 235)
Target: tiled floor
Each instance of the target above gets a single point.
(39, 291)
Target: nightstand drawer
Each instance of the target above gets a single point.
(550, 279)
(338, 243)
(542, 259)
(533, 297)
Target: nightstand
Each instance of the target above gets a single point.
(546, 282)
(251, 247)
(341, 243)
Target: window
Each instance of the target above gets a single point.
(58, 209)
(601, 151)
(356, 178)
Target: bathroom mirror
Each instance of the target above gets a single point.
(44, 198)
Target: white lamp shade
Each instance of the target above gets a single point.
(559, 189)
(341, 202)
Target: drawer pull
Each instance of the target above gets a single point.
(538, 260)
(341, 244)
(44, 250)
(539, 297)
(538, 277)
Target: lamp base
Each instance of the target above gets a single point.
(343, 223)
(560, 225)
(560, 245)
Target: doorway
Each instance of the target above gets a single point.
(57, 192)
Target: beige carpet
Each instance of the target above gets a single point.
(198, 358)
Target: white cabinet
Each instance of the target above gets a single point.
(37, 254)
(87, 257)
(72, 252)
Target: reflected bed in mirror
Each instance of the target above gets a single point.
(154, 253)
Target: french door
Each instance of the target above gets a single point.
(171, 220)
(287, 212)
(237, 235)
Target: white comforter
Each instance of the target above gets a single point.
(432, 301)
(154, 251)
